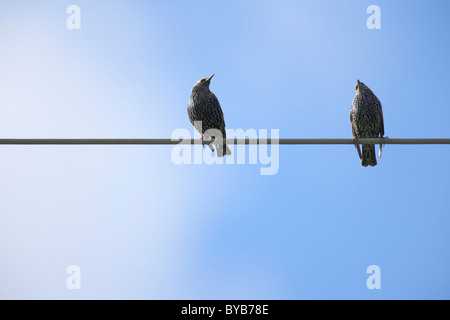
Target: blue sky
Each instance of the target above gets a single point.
(141, 227)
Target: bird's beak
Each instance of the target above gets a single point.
(209, 78)
(358, 81)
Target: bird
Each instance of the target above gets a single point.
(205, 113)
(366, 118)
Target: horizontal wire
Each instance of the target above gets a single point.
(246, 141)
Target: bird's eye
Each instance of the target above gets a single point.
(356, 87)
(203, 80)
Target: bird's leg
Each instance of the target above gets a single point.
(355, 141)
(211, 144)
(381, 146)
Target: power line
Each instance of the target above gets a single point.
(246, 141)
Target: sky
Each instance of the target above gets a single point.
(139, 226)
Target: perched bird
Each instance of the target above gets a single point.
(366, 117)
(205, 113)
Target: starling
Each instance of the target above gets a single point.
(205, 113)
(366, 117)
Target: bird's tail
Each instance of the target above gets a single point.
(369, 157)
(220, 150)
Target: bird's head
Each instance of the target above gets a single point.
(360, 87)
(203, 83)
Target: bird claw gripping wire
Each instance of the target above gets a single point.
(381, 146)
(203, 141)
(209, 143)
(355, 141)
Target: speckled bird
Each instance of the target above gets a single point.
(366, 117)
(204, 107)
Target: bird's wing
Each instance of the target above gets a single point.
(354, 135)
(353, 125)
(381, 123)
(381, 130)
(221, 116)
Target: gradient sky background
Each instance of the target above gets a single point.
(141, 227)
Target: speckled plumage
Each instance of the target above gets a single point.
(366, 117)
(205, 107)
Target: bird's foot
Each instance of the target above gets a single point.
(203, 141)
(381, 146)
(208, 143)
(355, 141)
